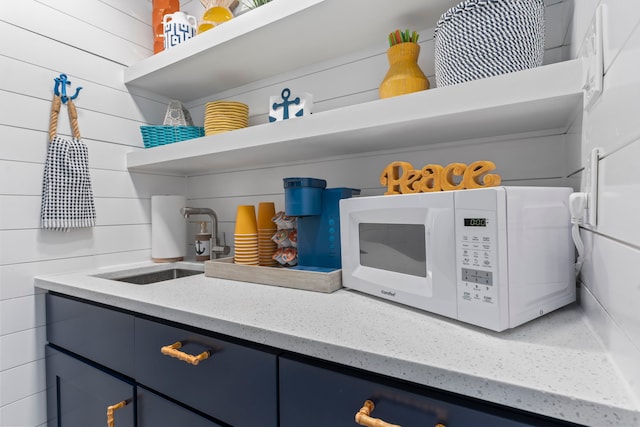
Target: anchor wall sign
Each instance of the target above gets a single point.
(288, 106)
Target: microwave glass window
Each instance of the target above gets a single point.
(394, 247)
(475, 222)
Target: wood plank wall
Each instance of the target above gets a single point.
(611, 288)
(92, 41)
(533, 159)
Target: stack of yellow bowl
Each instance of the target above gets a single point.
(223, 116)
(266, 229)
(246, 236)
(214, 16)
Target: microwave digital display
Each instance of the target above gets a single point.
(475, 222)
(394, 247)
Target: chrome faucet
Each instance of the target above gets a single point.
(216, 249)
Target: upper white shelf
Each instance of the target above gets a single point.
(280, 36)
(540, 99)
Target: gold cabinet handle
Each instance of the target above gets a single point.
(111, 409)
(363, 417)
(173, 351)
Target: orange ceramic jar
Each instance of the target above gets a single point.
(161, 8)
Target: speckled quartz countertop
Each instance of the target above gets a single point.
(553, 365)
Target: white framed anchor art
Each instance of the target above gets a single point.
(287, 106)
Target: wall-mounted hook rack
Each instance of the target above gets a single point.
(60, 89)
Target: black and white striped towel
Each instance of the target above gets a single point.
(67, 197)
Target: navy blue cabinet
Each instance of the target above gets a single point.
(313, 395)
(235, 383)
(97, 333)
(156, 411)
(98, 356)
(81, 395)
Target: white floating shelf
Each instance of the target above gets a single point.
(537, 100)
(275, 38)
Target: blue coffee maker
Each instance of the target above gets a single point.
(318, 211)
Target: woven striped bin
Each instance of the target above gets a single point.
(154, 136)
(484, 38)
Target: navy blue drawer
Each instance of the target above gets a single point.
(320, 396)
(236, 384)
(100, 334)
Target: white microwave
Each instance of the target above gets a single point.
(492, 257)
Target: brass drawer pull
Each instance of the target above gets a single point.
(173, 351)
(363, 417)
(111, 409)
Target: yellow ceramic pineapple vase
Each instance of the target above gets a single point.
(404, 75)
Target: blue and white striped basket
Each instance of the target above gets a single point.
(483, 38)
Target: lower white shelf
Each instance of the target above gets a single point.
(541, 99)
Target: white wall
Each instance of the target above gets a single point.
(611, 288)
(91, 41)
(537, 159)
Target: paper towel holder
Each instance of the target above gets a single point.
(168, 231)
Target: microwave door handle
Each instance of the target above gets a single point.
(430, 250)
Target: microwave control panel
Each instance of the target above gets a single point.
(477, 265)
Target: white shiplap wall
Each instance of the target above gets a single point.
(611, 288)
(538, 159)
(91, 41)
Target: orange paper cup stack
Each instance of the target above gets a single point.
(246, 236)
(266, 230)
(223, 116)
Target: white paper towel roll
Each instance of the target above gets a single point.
(168, 229)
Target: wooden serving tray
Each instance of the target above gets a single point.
(225, 268)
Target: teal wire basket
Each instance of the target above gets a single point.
(154, 136)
